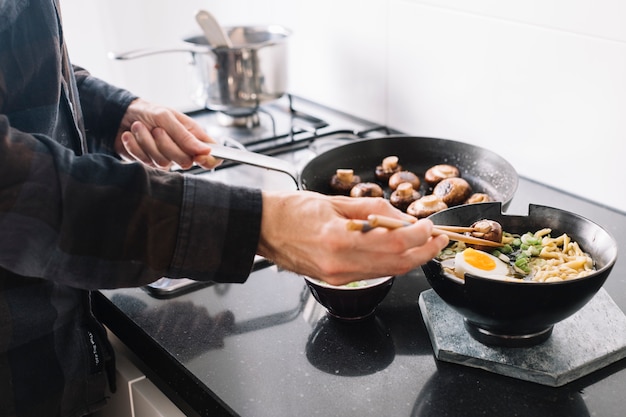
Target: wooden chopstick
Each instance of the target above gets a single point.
(465, 238)
(359, 225)
(458, 229)
(374, 221)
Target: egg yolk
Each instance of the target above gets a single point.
(478, 260)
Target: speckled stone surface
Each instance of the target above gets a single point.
(592, 338)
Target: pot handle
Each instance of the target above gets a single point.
(139, 53)
(255, 159)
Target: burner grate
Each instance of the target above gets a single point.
(285, 126)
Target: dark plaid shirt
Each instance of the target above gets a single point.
(74, 218)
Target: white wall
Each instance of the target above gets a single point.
(542, 82)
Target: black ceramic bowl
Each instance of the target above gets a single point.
(350, 303)
(521, 314)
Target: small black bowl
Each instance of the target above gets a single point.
(350, 303)
(514, 314)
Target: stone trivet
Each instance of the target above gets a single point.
(591, 339)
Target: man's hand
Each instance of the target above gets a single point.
(159, 136)
(307, 233)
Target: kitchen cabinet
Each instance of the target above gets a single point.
(136, 395)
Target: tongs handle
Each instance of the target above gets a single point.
(255, 159)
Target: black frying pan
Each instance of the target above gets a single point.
(486, 171)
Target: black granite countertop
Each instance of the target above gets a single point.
(266, 348)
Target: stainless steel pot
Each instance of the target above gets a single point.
(234, 80)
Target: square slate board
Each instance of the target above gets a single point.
(591, 339)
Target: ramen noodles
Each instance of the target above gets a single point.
(530, 257)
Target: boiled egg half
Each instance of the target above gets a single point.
(478, 263)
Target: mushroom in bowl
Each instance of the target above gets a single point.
(521, 312)
(355, 301)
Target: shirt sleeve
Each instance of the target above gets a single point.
(104, 112)
(92, 221)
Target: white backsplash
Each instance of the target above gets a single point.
(543, 83)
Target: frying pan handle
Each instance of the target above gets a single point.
(139, 53)
(255, 159)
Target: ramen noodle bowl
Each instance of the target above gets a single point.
(508, 314)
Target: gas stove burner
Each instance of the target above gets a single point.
(284, 126)
(240, 120)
